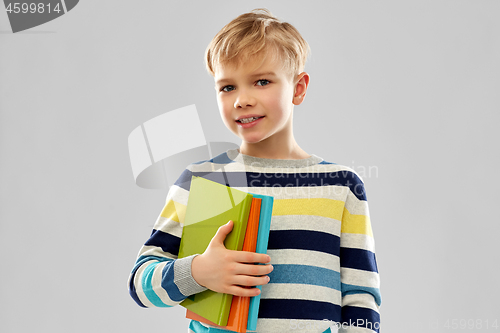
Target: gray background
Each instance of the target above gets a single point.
(407, 90)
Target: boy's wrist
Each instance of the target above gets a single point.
(183, 277)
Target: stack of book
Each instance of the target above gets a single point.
(211, 205)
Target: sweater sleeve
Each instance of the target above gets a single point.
(359, 276)
(159, 278)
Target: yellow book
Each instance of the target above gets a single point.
(211, 205)
(238, 314)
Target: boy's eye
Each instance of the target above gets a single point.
(227, 88)
(263, 82)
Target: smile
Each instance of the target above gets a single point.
(248, 122)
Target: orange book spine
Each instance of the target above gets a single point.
(238, 314)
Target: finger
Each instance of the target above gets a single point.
(250, 281)
(251, 269)
(222, 232)
(242, 291)
(251, 257)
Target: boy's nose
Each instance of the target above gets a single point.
(243, 100)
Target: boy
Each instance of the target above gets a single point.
(320, 270)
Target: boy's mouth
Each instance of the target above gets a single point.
(248, 120)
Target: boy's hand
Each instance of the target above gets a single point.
(227, 271)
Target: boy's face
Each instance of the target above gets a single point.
(256, 104)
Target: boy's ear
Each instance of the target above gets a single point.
(301, 84)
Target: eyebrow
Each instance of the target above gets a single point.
(221, 81)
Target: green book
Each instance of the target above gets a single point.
(211, 205)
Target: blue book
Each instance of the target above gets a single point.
(266, 211)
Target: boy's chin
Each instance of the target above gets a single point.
(253, 143)
(248, 138)
(251, 140)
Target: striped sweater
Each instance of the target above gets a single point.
(321, 246)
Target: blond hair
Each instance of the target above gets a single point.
(257, 34)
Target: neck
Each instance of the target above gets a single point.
(274, 149)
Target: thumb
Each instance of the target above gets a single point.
(222, 232)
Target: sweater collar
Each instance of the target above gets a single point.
(236, 156)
